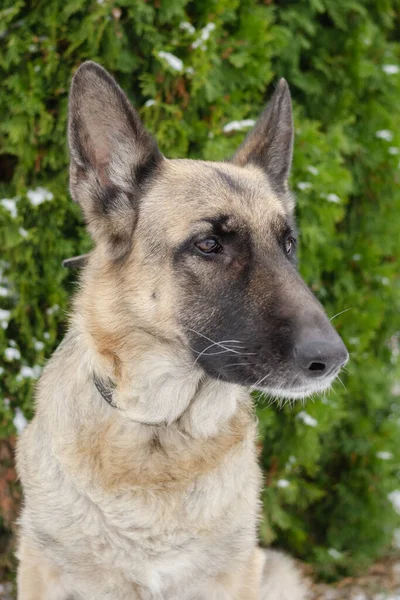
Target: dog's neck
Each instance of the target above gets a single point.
(156, 383)
(161, 387)
(155, 378)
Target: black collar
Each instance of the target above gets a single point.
(105, 390)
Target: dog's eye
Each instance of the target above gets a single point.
(290, 245)
(209, 246)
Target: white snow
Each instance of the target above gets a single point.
(394, 498)
(12, 354)
(304, 185)
(4, 318)
(38, 345)
(186, 26)
(384, 134)
(19, 420)
(359, 596)
(29, 372)
(53, 309)
(307, 419)
(150, 102)
(38, 196)
(3, 265)
(10, 204)
(335, 553)
(312, 170)
(396, 538)
(384, 455)
(173, 61)
(204, 35)
(390, 69)
(333, 198)
(238, 125)
(283, 483)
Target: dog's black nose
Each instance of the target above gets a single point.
(318, 355)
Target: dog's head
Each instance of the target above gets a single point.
(201, 254)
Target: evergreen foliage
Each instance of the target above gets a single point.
(331, 467)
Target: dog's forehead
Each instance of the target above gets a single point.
(188, 191)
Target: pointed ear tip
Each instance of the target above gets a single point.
(89, 65)
(283, 85)
(87, 68)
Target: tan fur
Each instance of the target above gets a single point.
(159, 497)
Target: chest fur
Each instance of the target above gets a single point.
(153, 515)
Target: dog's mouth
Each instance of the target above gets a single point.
(299, 391)
(287, 364)
(292, 376)
(290, 384)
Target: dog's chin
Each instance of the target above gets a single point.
(278, 387)
(298, 392)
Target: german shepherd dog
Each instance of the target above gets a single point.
(139, 469)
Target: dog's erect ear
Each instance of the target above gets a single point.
(270, 144)
(112, 157)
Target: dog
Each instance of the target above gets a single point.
(139, 469)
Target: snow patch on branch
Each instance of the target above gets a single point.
(10, 204)
(307, 419)
(4, 317)
(304, 185)
(384, 134)
(384, 455)
(39, 195)
(12, 354)
(238, 125)
(29, 372)
(283, 483)
(394, 498)
(19, 420)
(174, 62)
(312, 170)
(390, 69)
(186, 26)
(204, 36)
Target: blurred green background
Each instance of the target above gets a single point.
(199, 73)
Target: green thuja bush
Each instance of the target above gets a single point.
(199, 73)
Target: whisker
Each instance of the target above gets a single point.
(209, 353)
(221, 344)
(240, 364)
(260, 381)
(341, 312)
